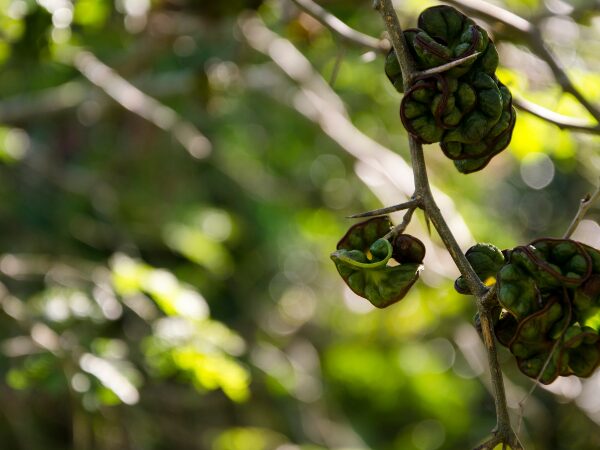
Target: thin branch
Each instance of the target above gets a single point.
(584, 206)
(336, 26)
(446, 67)
(560, 120)
(530, 33)
(503, 432)
(388, 210)
(134, 100)
(392, 25)
(399, 229)
(337, 65)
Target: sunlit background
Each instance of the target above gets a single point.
(174, 175)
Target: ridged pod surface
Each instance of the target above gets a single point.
(549, 304)
(467, 109)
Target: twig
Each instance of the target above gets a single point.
(337, 65)
(390, 209)
(584, 206)
(530, 33)
(561, 121)
(503, 432)
(445, 67)
(335, 25)
(134, 100)
(399, 229)
(535, 384)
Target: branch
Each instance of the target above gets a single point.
(530, 33)
(584, 206)
(343, 31)
(388, 210)
(399, 229)
(445, 67)
(503, 432)
(134, 100)
(561, 121)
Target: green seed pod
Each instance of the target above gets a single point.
(586, 298)
(486, 260)
(580, 351)
(550, 294)
(465, 108)
(517, 292)
(505, 328)
(362, 258)
(393, 71)
(554, 262)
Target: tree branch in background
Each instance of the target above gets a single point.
(531, 34)
(134, 100)
(503, 433)
(343, 31)
(560, 120)
(584, 206)
(54, 100)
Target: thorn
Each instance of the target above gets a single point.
(427, 222)
(387, 210)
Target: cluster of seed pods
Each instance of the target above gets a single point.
(466, 109)
(548, 312)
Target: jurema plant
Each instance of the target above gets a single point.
(541, 300)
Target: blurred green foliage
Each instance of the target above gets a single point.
(154, 300)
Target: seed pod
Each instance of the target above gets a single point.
(486, 260)
(362, 259)
(554, 262)
(550, 292)
(393, 71)
(535, 337)
(517, 292)
(580, 351)
(408, 249)
(465, 108)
